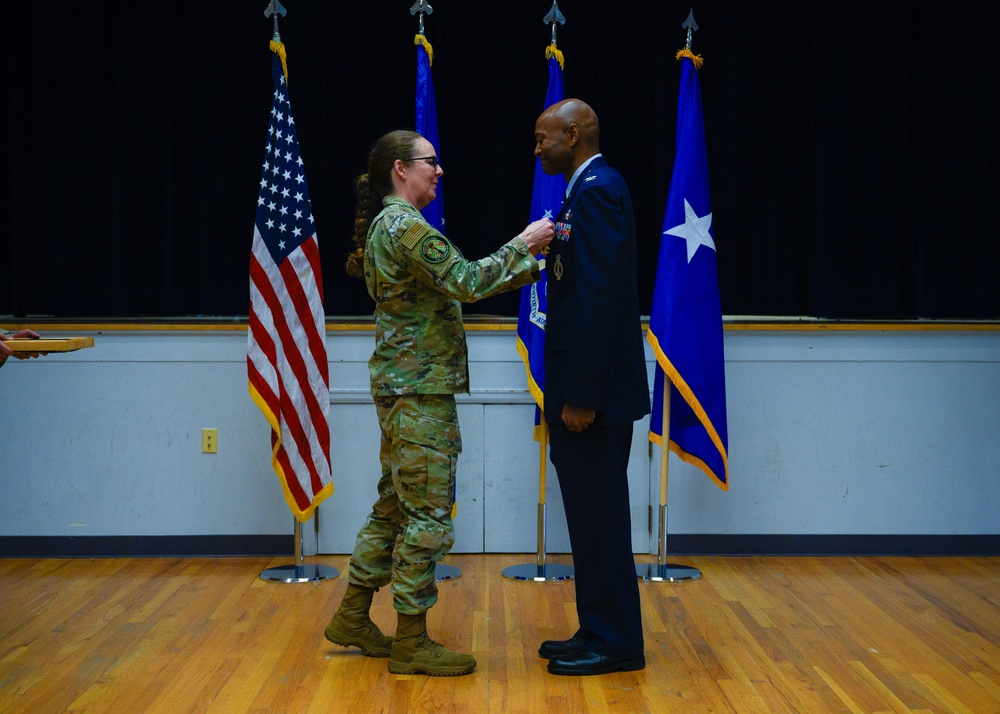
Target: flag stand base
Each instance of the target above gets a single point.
(540, 571)
(666, 573)
(299, 572)
(546, 572)
(446, 572)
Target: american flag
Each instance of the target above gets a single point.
(286, 342)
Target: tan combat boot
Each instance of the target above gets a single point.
(413, 652)
(352, 627)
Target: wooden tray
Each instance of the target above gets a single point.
(69, 344)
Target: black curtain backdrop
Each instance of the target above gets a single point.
(852, 146)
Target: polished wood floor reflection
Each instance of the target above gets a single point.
(754, 634)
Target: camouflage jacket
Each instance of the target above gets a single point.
(418, 279)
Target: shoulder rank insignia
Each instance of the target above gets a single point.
(413, 234)
(435, 249)
(590, 178)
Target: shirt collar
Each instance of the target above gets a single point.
(576, 174)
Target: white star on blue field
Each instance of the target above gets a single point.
(694, 229)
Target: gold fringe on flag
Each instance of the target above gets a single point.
(421, 40)
(278, 48)
(698, 61)
(553, 51)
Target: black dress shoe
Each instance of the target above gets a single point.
(560, 648)
(584, 662)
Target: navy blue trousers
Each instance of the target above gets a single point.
(592, 469)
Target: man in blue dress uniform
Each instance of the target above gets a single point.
(595, 389)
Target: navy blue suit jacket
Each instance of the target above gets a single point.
(593, 338)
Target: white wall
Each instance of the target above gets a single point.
(863, 432)
(831, 432)
(107, 440)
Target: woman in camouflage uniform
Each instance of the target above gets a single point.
(417, 279)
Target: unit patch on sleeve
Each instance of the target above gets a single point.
(435, 249)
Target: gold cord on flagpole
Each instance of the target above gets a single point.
(421, 40)
(698, 61)
(279, 49)
(553, 51)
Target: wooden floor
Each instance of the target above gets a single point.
(762, 634)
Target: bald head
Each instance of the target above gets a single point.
(577, 112)
(566, 134)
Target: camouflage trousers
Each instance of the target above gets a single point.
(410, 526)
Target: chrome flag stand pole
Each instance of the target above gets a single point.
(299, 572)
(661, 571)
(541, 571)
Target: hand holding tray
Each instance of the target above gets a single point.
(44, 344)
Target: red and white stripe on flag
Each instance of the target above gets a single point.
(287, 367)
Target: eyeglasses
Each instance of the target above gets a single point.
(430, 160)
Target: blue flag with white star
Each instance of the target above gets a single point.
(546, 200)
(427, 124)
(685, 323)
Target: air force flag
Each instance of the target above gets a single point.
(685, 325)
(546, 200)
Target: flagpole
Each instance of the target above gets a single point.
(542, 465)
(298, 572)
(426, 124)
(542, 571)
(661, 541)
(661, 571)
